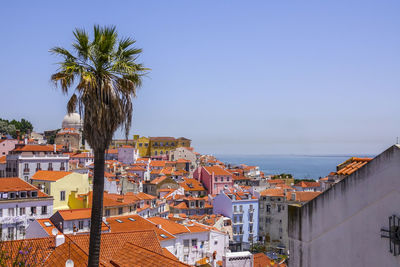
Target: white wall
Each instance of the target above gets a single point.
(341, 227)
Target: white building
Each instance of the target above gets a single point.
(25, 160)
(193, 241)
(348, 224)
(21, 203)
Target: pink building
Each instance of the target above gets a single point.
(214, 178)
(7, 145)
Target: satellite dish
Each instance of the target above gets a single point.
(69, 263)
(54, 231)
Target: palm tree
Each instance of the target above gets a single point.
(105, 75)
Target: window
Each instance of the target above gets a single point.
(161, 152)
(107, 212)
(33, 210)
(62, 167)
(146, 145)
(10, 234)
(251, 217)
(47, 224)
(80, 225)
(234, 208)
(185, 258)
(1, 212)
(11, 212)
(38, 166)
(222, 179)
(251, 207)
(140, 144)
(227, 179)
(241, 208)
(251, 228)
(26, 166)
(279, 208)
(268, 208)
(50, 166)
(62, 195)
(186, 243)
(22, 230)
(155, 153)
(131, 219)
(44, 210)
(120, 210)
(194, 242)
(215, 242)
(22, 194)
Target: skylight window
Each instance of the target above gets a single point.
(119, 221)
(163, 236)
(131, 219)
(47, 224)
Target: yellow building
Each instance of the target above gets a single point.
(142, 144)
(158, 146)
(61, 185)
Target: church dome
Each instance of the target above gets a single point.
(72, 120)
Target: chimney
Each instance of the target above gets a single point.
(55, 148)
(60, 239)
(159, 226)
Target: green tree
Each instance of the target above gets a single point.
(106, 75)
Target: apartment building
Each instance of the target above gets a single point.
(21, 203)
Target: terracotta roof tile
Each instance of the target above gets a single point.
(142, 257)
(217, 170)
(51, 176)
(14, 184)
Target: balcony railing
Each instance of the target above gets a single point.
(26, 170)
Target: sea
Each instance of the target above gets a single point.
(300, 166)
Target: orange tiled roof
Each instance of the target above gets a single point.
(136, 223)
(3, 159)
(305, 184)
(142, 258)
(112, 151)
(111, 243)
(304, 196)
(273, 192)
(217, 170)
(181, 160)
(34, 148)
(262, 260)
(191, 184)
(276, 181)
(13, 184)
(351, 165)
(75, 214)
(157, 163)
(170, 226)
(51, 176)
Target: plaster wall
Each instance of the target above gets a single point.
(341, 227)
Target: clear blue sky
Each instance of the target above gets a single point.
(243, 77)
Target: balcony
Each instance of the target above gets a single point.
(27, 171)
(238, 233)
(238, 222)
(238, 211)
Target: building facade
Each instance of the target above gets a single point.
(25, 160)
(242, 208)
(214, 178)
(21, 203)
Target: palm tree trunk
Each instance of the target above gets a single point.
(97, 209)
